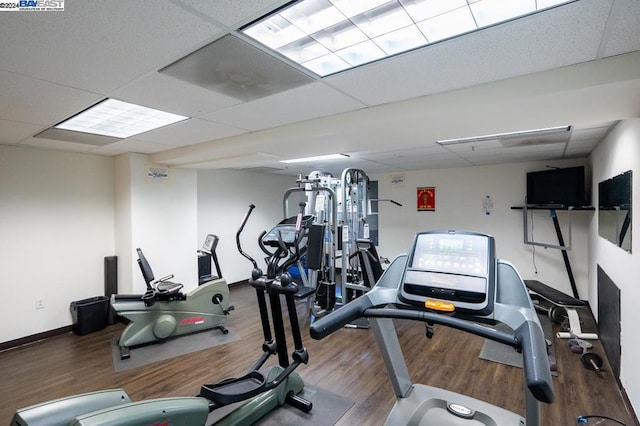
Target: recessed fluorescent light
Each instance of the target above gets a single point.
(119, 119)
(349, 25)
(317, 158)
(535, 132)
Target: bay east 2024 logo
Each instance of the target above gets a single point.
(41, 3)
(31, 5)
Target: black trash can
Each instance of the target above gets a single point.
(89, 315)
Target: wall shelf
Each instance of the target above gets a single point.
(561, 244)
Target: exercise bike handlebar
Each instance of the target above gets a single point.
(244, 222)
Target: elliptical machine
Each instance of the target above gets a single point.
(164, 311)
(262, 393)
(281, 384)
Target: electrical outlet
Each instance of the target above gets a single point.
(40, 303)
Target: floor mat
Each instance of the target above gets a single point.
(497, 352)
(171, 348)
(327, 410)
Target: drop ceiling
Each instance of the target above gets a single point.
(577, 64)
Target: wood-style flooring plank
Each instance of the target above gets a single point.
(346, 363)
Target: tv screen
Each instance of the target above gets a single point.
(557, 187)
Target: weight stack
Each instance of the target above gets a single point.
(110, 284)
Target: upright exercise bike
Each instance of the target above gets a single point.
(164, 311)
(257, 394)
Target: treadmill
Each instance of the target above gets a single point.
(451, 278)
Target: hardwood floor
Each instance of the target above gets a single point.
(346, 363)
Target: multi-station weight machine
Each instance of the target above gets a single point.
(342, 206)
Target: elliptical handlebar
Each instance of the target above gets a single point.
(244, 222)
(295, 256)
(262, 246)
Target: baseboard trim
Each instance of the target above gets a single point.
(237, 283)
(627, 402)
(35, 337)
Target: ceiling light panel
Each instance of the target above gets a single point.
(119, 119)
(419, 10)
(389, 17)
(456, 22)
(489, 12)
(361, 53)
(544, 132)
(401, 40)
(317, 158)
(355, 32)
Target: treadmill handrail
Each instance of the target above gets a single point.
(536, 367)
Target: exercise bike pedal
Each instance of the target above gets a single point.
(125, 353)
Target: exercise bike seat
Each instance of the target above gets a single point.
(168, 287)
(162, 286)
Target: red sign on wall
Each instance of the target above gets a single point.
(426, 198)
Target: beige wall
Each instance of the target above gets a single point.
(56, 226)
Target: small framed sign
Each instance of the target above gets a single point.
(426, 198)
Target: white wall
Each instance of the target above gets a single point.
(459, 197)
(224, 197)
(56, 227)
(619, 152)
(160, 217)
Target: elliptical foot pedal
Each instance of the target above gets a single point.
(230, 391)
(299, 402)
(304, 292)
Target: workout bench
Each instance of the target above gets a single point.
(561, 301)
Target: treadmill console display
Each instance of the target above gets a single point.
(449, 266)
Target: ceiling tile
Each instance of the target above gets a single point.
(583, 126)
(172, 95)
(623, 29)
(578, 151)
(592, 133)
(474, 146)
(189, 132)
(583, 143)
(99, 46)
(131, 145)
(425, 162)
(14, 131)
(513, 156)
(33, 101)
(425, 151)
(236, 68)
(233, 13)
(57, 145)
(284, 108)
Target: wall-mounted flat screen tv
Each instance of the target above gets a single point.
(557, 187)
